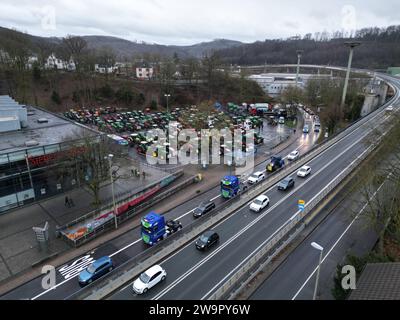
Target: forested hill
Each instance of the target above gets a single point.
(380, 48)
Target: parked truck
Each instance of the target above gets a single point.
(276, 163)
(154, 228)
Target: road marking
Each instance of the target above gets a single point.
(337, 241)
(220, 248)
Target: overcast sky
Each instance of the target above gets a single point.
(183, 22)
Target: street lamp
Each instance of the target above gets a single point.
(167, 96)
(299, 52)
(352, 45)
(321, 249)
(110, 157)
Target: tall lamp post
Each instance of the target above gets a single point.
(110, 157)
(321, 249)
(351, 45)
(167, 95)
(299, 52)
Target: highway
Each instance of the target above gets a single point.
(129, 244)
(196, 275)
(345, 230)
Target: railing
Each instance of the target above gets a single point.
(121, 217)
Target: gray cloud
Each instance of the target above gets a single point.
(188, 22)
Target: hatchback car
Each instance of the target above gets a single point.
(95, 270)
(389, 109)
(259, 203)
(306, 129)
(286, 183)
(149, 279)
(256, 177)
(304, 171)
(207, 240)
(293, 155)
(203, 208)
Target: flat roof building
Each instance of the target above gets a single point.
(31, 154)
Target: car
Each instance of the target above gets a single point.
(95, 270)
(203, 208)
(306, 128)
(207, 240)
(286, 183)
(281, 120)
(256, 177)
(149, 279)
(259, 203)
(304, 171)
(173, 226)
(293, 155)
(389, 109)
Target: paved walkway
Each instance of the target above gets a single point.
(18, 246)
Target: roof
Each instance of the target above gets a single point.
(100, 261)
(56, 130)
(378, 281)
(152, 270)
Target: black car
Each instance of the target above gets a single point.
(286, 183)
(173, 226)
(207, 239)
(203, 208)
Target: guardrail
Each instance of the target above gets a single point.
(122, 216)
(284, 234)
(133, 267)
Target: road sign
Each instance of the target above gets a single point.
(301, 204)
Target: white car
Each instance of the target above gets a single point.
(149, 279)
(256, 177)
(259, 203)
(304, 171)
(293, 155)
(390, 108)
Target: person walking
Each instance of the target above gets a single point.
(66, 202)
(144, 175)
(71, 202)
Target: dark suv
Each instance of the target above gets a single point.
(286, 183)
(203, 208)
(207, 239)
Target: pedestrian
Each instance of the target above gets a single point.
(66, 203)
(144, 175)
(294, 131)
(71, 202)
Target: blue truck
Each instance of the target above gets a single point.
(230, 186)
(276, 163)
(154, 228)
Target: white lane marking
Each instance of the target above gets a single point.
(201, 262)
(124, 248)
(337, 241)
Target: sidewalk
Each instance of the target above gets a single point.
(18, 246)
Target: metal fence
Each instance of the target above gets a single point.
(120, 218)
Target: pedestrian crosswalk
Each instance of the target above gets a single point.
(71, 270)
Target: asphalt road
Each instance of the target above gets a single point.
(129, 244)
(196, 275)
(345, 231)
